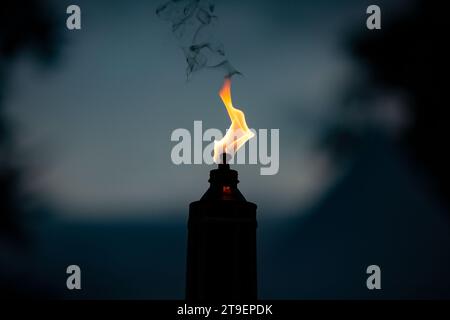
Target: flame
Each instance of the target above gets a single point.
(238, 133)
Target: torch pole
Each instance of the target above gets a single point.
(221, 250)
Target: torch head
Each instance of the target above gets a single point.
(223, 182)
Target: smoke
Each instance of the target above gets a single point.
(193, 24)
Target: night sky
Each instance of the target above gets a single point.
(104, 112)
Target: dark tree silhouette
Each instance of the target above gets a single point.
(409, 55)
(25, 25)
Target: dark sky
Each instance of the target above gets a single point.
(103, 114)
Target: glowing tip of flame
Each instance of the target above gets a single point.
(238, 133)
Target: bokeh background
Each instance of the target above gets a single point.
(86, 176)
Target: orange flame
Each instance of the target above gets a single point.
(238, 133)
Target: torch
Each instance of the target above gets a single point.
(221, 250)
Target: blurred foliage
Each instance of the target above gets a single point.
(408, 57)
(25, 25)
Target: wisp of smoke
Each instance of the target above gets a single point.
(193, 23)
